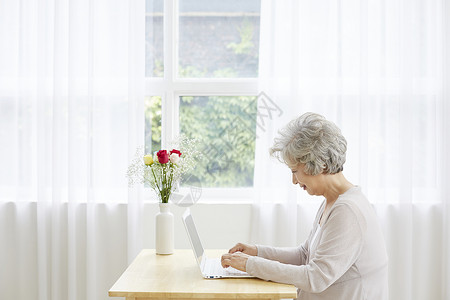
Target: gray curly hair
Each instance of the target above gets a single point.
(311, 140)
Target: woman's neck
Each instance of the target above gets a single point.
(337, 185)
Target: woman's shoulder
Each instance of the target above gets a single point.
(353, 199)
(352, 204)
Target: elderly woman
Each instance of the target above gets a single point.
(344, 256)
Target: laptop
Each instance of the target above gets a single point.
(209, 267)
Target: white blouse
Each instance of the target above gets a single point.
(344, 259)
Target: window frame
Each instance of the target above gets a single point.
(171, 87)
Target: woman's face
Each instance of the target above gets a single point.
(313, 184)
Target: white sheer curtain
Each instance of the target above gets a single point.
(380, 71)
(71, 86)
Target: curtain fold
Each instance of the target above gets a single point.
(444, 121)
(71, 102)
(379, 70)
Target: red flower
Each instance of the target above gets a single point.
(163, 156)
(175, 151)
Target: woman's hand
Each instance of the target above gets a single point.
(244, 248)
(237, 260)
(238, 255)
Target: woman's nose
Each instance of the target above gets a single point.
(294, 179)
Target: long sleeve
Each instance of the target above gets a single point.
(341, 243)
(290, 255)
(285, 255)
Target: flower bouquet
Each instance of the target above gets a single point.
(163, 171)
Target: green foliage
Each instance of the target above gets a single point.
(226, 127)
(225, 73)
(158, 68)
(246, 45)
(152, 124)
(191, 71)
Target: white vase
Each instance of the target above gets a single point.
(164, 230)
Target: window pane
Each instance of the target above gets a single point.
(218, 38)
(154, 41)
(152, 124)
(226, 127)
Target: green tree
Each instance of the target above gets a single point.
(226, 127)
(152, 124)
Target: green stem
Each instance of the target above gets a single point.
(166, 185)
(156, 181)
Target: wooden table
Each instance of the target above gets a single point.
(177, 276)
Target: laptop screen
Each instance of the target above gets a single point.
(193, 235)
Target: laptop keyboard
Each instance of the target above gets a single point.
(214, 267)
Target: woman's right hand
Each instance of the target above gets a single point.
(244, 248)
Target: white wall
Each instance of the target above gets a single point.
(220, 226)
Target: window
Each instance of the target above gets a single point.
(154, 38)
(218, 38)
(225, 125)
(201, 68)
